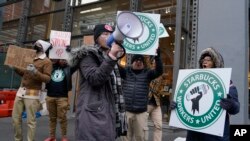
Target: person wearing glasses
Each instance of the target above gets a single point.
(210, 58)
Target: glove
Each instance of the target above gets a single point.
(173, 105)
(226, 103)
(31, 68)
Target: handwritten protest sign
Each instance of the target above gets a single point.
(59, 40)
(19, 57)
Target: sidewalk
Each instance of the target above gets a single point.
(42, 132)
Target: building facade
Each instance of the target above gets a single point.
(22, 22)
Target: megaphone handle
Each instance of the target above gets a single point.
(124, 51)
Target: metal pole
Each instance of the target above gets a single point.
(134, 7)
(177, 42)
(193, 57)
(23, 22)
(67, 23)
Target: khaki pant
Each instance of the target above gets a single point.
(31, 106)
(57, 108)
(137, 127)
(156, 116)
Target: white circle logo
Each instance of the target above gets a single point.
(200, 92)
(58, 75)
(148, 38)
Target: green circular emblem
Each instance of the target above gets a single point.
(200, 92)
(57, 75)
(161, 31)
(148, 38)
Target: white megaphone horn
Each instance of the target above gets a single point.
(128, 26)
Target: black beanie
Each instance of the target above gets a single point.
(137, 57)
(100, 28)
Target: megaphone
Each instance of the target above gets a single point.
(128, 26)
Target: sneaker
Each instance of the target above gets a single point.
(50, 139)
(64, 139)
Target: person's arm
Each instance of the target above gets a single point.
(46, 74)
(233, 95)
(231, 103)
(158, 67)
(96, 74)
(20, 71)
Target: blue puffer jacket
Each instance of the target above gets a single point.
(233, 94)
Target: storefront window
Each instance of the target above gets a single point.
(12, 11)
(9, 16)
(8, 32)
(43, 6)
(86, 17)
(167, 10)
(40, 27)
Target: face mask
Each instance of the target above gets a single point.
(38, 49)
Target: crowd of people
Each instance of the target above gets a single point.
(113, 102)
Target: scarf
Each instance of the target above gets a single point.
(121, 122)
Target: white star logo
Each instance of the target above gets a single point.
(181, 91)
(197, 121)
(219, 94)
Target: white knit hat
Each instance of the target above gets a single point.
(45, 45)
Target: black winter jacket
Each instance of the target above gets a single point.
(136, 86)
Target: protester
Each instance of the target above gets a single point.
(100, 114)
(27, 97)
(57, 97)
(210, 58)
(154, 105)
(136, 88)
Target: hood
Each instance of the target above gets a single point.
(45, 45)
(76, 54)
(215, 56)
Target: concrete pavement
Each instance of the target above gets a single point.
(42, 132)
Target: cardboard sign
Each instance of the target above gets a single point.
(19, 57)
(59, 40)
(197, 95)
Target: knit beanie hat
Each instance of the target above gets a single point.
(99, 29)
(137, 57)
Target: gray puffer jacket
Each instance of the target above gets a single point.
(95, 114)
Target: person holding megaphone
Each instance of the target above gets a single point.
(100, 113)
